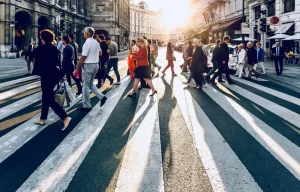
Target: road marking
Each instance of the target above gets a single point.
(278, 110)
(57, 171)
(19, 105)
(224, 169)
(141, 168)
(273, 92)
(19, 90)
(9, 83)
(280, 147)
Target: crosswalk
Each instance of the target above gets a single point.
(245, 137)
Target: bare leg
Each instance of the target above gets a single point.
(135, 85)
(149, 82)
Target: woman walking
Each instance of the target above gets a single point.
(131, 62)
(47, 64)
(142, 70)
(170, 58)
(241, 58)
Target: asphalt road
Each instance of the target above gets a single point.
(241, 137)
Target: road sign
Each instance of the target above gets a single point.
(274, 20)
(245, 28)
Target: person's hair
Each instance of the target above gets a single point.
(149, 41)
(218, 41)
(258, 43)
(108, 39)
(47, 36)
(200, 41)
(196, 41)
(90, 31)
(66, 39)
(141, 40)
(241, 46)
(226, 37)
(102, 37)
(190, 43)
(169, 45)
(144, 37)
(59, 37)
(72, 36)
(95, 36)
(134, 41)
(249, 43)
(154, 41)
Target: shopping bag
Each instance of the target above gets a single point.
(78, 73)
(69, 92)
(60, 95)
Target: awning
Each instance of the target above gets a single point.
(284, 27)
(226, 24)
(203, 30)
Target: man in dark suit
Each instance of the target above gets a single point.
(29, 55)
(278, 55)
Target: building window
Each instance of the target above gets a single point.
(271, 8)
(256, 11)
(289, 5)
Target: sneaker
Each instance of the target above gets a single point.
(117, 83)
(103, 100)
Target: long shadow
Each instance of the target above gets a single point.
(16, 169)
(277, 123)
(258, 161)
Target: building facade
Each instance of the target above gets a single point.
(22, 20)
(288, 12)
(112, 18)
(144, 22)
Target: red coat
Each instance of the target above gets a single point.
(141, 57)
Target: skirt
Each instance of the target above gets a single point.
(142, 72)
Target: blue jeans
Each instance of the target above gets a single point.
(113, 63)
(215, 66)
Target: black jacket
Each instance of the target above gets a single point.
(68, 59)
(216, 57)
(252, 56)
(281, 54)
(30, 51)
(199, 61)
(104, 57)
(224, 52)
(73, 44)
(47, 61)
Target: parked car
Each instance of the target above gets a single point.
(232, 57)
(178, 46)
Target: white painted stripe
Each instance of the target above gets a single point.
(270, 91)
(19, 90)
(13, 71)
(9, 83)
(57, 171)
(280, 147)
(17, 137)
(19, 105)
(141, 168)
(224, 169)
(278, 110)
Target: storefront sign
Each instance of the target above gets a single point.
(245, 28)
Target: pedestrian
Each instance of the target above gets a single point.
(223, 65)
(89, 63)
(155, 46)
(47, 64)
(131, 62)
(113, 59)
(184, 56)
(215, 60)
(75, 47)
(198, 65)
(252, 59)
(170, 58)
(241, 59)
(278, 55)
(152, 51)
(29, 56)
(260, 58)
(68, 65)
(60, 45)
(142, 70)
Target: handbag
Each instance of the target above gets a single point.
(69, 92)
(78, 73)
(60, 95)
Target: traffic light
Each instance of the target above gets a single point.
(62, 22)
(263, 12)
(263, 25)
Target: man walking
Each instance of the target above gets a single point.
(113, 59)
(278, 55)
(224, 58)
(68, 64)
(260, 57)
(89, 62)
(214, 60)
(75, 47)
(60, 45)
(29, 56)
(252, 59)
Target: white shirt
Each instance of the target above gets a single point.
(60, 46)
(91, 49)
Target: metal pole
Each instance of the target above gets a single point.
(243, 18)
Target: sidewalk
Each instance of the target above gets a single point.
(290, 74)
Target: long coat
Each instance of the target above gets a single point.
(199, 61)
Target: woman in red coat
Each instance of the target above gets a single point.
(131, 62)
(142, 68)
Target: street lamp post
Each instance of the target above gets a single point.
(12, 38)
(243, 18)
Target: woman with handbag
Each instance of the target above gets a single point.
(47, 65)
(170, 58)
(142, 70)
